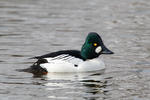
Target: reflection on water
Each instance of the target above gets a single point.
(81, 85)
(34, 27)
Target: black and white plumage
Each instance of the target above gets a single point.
(64, 61)
(54, 59)
(71, 56)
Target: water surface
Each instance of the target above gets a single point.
(36, 27)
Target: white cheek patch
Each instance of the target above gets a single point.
(98, 49)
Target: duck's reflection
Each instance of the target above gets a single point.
(94, 89)
(90, 86)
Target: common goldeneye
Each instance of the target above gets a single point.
(85, 60)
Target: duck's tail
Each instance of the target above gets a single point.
(34, 69)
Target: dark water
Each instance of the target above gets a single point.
(35, 27)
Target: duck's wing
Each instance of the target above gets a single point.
(73, 53)
(63, 59)
(71, 56)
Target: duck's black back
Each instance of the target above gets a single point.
(74, 53)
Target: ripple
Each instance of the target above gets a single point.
(17, 55)
(2, 61)
(3, 35)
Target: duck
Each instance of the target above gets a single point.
(64, 61)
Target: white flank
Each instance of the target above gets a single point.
(72, 64)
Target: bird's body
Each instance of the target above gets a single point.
(85, 60)
(69, 63)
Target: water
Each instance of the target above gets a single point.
(36, 27)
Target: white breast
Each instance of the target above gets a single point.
(91, 65)
(67, 63)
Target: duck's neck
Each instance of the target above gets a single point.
(83, 54)
(87, 52)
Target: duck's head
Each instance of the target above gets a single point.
(93, 47)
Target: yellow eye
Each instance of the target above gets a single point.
(95, 44)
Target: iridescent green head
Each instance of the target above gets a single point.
(93, 47)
